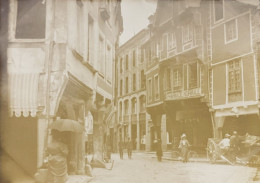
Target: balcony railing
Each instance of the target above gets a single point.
(183, 94)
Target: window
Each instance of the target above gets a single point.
(121, 65)
(121, 87)
(168, 79)
(149, 89)
(134, 58)
(181, 6)
(120, 111)
(80, 27)
(142, 103)
(231, 31)
(134, 106)
(126, 62)
(101, 55)
(171, 41)
(218, 10)
(177, 79)
(126, 85)
(109, 64)
(30, 20)
(142, 55)
(134, 82)
(193, 76)
(90, 39)
(156, 86)
(126, 107)
(234, 80)
(187, 33)
(143, 80)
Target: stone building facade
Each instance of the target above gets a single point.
(131, 91)
(60, 63)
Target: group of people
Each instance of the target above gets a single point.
(229, 145)
(129, 146)
(183, 146)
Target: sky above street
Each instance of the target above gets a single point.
(135, 16)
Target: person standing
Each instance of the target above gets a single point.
(184, 146)
(159, 150)
(121, 148)
(57, 160)
(129, 148)
(225, 144)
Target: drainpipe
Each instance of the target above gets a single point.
(48, 71)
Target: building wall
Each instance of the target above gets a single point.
(19, 141)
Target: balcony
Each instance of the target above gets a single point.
(183, 94)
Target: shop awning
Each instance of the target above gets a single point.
(23, 94)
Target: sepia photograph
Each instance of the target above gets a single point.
(130, 91)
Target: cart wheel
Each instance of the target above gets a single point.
(176, 155)
(211, 153)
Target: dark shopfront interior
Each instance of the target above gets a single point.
(242, 124)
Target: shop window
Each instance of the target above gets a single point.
(30, 20)
(234, 81)
(231, 31)
(218, 10)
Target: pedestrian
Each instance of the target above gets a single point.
(57, 160)
(159, 150)
(129, 148)
(184, 146)
(121, 148)
(224, 144)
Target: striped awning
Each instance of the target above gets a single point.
(23, 94)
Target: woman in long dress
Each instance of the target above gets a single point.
(184, 146)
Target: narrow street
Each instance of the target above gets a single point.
(146, 169)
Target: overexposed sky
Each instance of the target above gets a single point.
(135, 16)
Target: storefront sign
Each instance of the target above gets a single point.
(196, 92)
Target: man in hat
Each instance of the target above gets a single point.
(184, 146)
(225, 144)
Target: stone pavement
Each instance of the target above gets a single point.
(144, 168)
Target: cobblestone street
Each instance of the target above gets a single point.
(146, 169)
